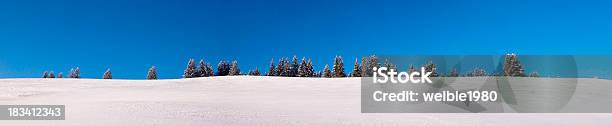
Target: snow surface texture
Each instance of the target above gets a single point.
(241, 100)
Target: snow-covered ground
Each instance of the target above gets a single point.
(241, 100)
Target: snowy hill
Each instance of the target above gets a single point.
(238, 100)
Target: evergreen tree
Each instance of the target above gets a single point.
(293, 68)
(271, 70)
(338, 67)
(60, 75)
(534, 74)
(389, 65)
(356, 69)
(367, 64)
(287, 68)
(71, 73)
(209, 70)
(223, 68)
(152, 74)
(107, 74)
(280, 69)
(430, 67)
(284, 71)
(303, 68)
(75, 73)
(188, 72)
(326, 72)
(477, 72)
(234, 70)
(200, 69)
(45, 74)
(51, 75)
(309, 69)
(254, 72)
(512, 66)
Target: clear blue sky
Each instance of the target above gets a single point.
(130, 35)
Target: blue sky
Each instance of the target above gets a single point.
(130, 36)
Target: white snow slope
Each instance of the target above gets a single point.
(240, 100)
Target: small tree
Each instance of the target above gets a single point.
(534, 74)
(209, 70)
(223, 68)
(294, 68)
(367, 63)
(279, 67)
(51, 75)
(303, 68)
(200, 70)
(286, 68)
(71, 73)
(271, 71)
(45, 74)
(152, 74)
(309, 69)
(431, 67)
(356, 69)
(254, 72)
(189, 71)
(107, 74)
(477, 72)
(234, 70)
(338, 67)
(60, 75)
(75, 73)
(512, 66)
(326, 72)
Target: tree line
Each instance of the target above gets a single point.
(295, 67)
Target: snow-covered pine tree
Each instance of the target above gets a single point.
(188, 72)
(60, 75)
(200, 70)
(234, 70)
(77, 72)
(287, 67)
(431, 67)
(271, 69)
(326, 72)
(280, 69)
(338, 67)
(254, 72)
(223, 68)
(389, 65)
(152, 74)
(45, 74)
(209, 70)
(367, 63)
(51, 75)
(356, 69)
(534, 74)
(303, 68)
(512, 66)
(309, 69)
(107, 74)
(477, 72)
(71, 73)
(293, 68)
